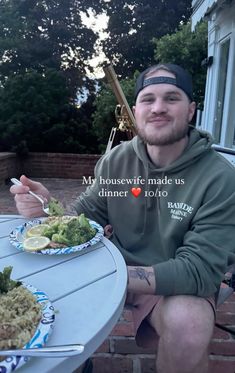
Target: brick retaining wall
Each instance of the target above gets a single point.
(9, 166)
(47, 165)
(59, 165)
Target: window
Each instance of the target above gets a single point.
(232, 106)
(222, 76)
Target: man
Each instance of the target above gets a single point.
(172, 217)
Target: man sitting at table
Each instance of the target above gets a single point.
(174, 225)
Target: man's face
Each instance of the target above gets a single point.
(162, 112)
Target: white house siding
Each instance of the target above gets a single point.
(221, 33)
(200, 9)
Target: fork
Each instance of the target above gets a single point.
(44, 204)
(50, 351)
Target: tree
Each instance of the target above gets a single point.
(46, 34)
(132, 26)
(187, 49)
(44, 53)
(35, 115)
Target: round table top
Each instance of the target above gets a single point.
(87, 290)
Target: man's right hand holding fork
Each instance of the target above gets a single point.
(26, 204)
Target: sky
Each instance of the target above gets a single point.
(98, 23)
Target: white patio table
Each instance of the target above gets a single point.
(87, 291)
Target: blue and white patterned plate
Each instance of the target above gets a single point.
(40, 337)
(18, 234)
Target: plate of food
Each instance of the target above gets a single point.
(27, 318)
(57, 235)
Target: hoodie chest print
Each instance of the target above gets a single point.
(179, 210)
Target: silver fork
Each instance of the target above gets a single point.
(50, 351)
(44, 204)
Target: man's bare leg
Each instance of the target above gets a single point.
(185, 326)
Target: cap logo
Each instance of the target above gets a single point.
(159, 80)
(181, 78)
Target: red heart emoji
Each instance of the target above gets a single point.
(136, 191)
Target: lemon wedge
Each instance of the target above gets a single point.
(36, 243)
(36, 230)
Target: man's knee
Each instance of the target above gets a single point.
(184, 320)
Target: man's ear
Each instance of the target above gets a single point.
(192, 108)
(133, 109)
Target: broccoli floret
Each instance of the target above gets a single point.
(83, 221)
(79, 230)
(73, 232)
(55, 207)
(48, 232)
(60, 238)
(6, 283)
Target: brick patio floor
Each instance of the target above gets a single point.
(119, 353)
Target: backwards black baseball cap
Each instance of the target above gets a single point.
(182, 80)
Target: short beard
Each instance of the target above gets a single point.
(168, 139)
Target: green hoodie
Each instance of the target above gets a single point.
(183, 220)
